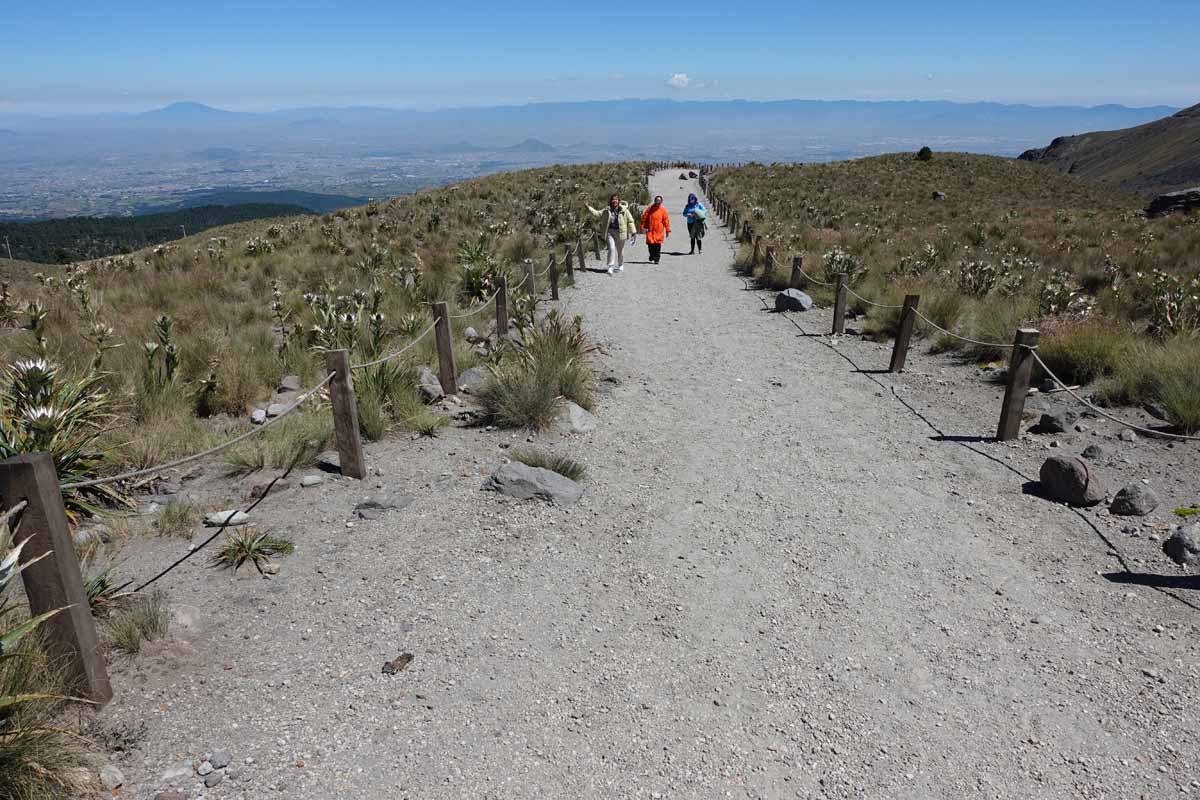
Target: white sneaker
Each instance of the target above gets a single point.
(611, 271)
(621, 268)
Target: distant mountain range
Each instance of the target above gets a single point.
(296, 200)
(1160, 156)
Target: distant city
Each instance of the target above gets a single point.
(188, 154)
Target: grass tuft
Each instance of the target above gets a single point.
(247, 544)
(138, 619)
(567, 467)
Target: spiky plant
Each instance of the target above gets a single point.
(36, 755)
(41, 410)
(247, 544)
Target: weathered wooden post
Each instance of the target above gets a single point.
(839, 304)
(345, 414)
(553, 279)
(568, 264)
(908, 320)
(758, 242)
(579, 254)
(502, 309)
(796, 279)
(54, 582)
(530, 277)
(596, 245)
(1019, 370)
(769, 264)
(447, 372)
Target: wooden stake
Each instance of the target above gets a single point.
(530, 277)
(502, 309)
(345, 415)
(554, 277)
(596, 245)
(568, 263)
(447, 373)
(839, 304)
(1020, 369)
(579, 254)
(55, 582)
(768, 264)
(796, 279)
(908, 319)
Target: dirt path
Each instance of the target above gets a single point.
(775, 586)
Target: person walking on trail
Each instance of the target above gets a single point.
(616, 225)
(656, 222)
(695, 214)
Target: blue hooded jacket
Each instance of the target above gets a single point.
(693, 203)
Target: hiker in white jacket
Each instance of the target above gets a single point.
(617, 226)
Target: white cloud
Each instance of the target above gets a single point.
(679, 80)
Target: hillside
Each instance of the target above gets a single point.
(61, 241)
(1160, 156)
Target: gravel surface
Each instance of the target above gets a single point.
(780, 582)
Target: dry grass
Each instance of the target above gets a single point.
(567, 467)
(1012, 243)
(247, 304)
(136, 620)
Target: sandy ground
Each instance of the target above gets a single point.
(780, 582)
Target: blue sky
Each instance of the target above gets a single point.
(94, 56)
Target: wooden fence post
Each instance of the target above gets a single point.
(596, 246)
(839, 304)
(579, 254)
(345, 414)
(554, 278)
(1019, 370)
(55, 582)
(447, 373)
(769, 264)
(908, 319)
(758, 242)
(502, 309)
(796, 280)
(530, 277)
(569, 263)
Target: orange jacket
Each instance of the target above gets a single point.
(656, 222)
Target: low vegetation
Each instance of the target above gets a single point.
(135, 620)
(567, 467)
(164, 352)
(990, 244)
(248, 544)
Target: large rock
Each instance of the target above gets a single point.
(429, 386)
(1134, 500)
(231, 518)
(527, 483)
(377, 505)
(1183, 546)
(575, 419)
(1070, 480)
(793, 300)
(1056, 422)
(473, 379)
(1172, 202)
(289, 383)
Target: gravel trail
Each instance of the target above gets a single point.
(777, 585)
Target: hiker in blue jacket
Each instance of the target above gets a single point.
(695, 214)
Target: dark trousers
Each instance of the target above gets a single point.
(655, 252)
(696, 234)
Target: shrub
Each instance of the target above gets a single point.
(298, 439)
(1166, 374)
(1080, 354)
(550, 362)
(567, 467)
(925, 154)
(177, 519)
(139, 618)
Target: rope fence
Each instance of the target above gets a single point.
(933, 324)
(397, 353)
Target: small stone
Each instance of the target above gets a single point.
(937, 196)
(111, 777)
(180, 772)
(524, 482)
(474, 379)
(1134, 500)
(276, 409)
(1055, 423)
(309, 481)
(1094, 452)
(575, 419)
(429, 386)
(377, 505)
(1127, 436)
(270, 568)
(289, 383)
(205, 768)
(258, 483)
(258, 416)
(214, 778)
(471, 334)
(329, 462)
(232, 518)
(171, 794)
(1183, 546)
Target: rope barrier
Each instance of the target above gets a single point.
(1147, 431)
(399, 352)
(477, 308)
(206, 453)
(956, 336)
(870, 302)
(814, 280)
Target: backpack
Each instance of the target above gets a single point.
(699, 214)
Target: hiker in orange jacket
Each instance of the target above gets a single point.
(656, 222)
